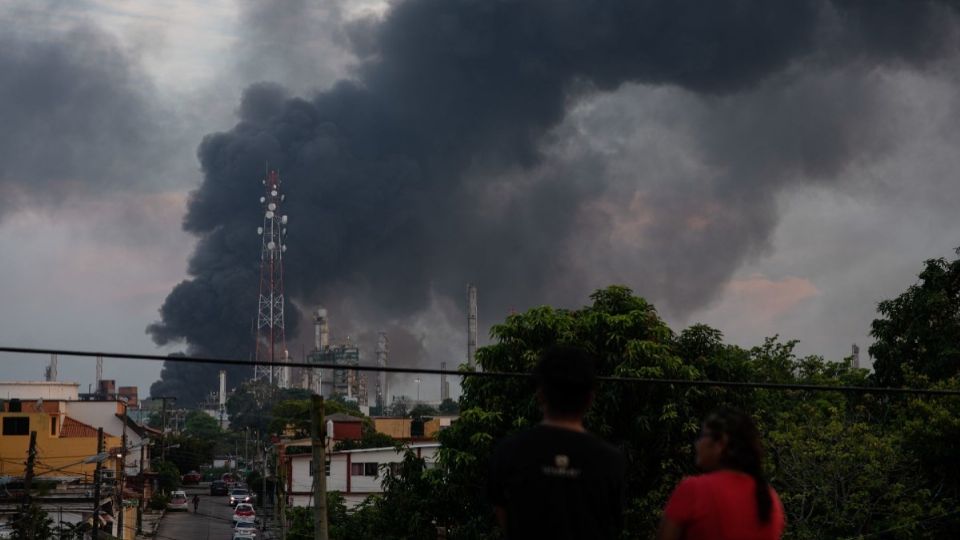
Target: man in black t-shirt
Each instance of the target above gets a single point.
(557, 480)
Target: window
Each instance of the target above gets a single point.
(53, 426)
(363, 469)
(16, 425)
(313, 469)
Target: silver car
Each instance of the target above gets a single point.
(238, 496)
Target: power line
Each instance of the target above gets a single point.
(491, 374)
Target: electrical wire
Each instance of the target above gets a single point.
(490, 374)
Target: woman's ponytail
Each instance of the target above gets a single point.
(743, 453)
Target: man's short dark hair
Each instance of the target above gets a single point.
(566, 376)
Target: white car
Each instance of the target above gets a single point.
(178, 501)
(244, 513)
(245, 528)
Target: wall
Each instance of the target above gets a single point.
(398, 428)
(104, 414)
(53, 452)
(31, 390)
(355, 488)
(347, 430)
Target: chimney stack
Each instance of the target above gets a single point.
(382, 348)
(471, 324)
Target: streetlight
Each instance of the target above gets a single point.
(418, 390)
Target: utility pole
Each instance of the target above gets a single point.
(122, 474)
(317, 441)
(163, 427)
(97, 477)
(263, 475)
(27, 481)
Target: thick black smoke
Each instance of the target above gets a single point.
(418, 175)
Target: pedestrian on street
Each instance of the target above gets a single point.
(196, 503)
(557, 480)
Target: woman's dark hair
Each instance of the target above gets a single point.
(743, 452)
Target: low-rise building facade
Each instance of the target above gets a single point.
(356, 474)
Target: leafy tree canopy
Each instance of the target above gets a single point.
(919, 331)
(449, 407)
(846, 465)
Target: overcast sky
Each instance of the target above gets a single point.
(789, 203)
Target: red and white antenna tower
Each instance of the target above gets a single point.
(271, 340)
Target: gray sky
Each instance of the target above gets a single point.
(788, 206)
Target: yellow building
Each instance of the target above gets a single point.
(404, 428)
(65, 446)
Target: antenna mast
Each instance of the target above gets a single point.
(271, 343)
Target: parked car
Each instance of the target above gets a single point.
(229, 478)
(178, 501)
(192, 477)
(238, 496)
(245, 527)
(244, 513)
(219, 487)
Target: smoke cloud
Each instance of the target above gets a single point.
(448, 157)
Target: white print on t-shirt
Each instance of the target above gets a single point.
(561, 468)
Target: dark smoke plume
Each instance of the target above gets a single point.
(423, 171)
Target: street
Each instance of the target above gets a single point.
(211, 522)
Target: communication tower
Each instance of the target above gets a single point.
(271, 343)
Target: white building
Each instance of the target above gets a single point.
(47, 390)
(356, 474)
(109, 414)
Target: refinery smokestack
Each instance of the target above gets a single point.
(471, 324)
(222, 396)
(321, 332)
(444, 385)
(382, 348)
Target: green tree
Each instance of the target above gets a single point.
(32, 523)
(201, 425)
(189, 453)
(654, 425)
(449, 407)
(846, 465)
(294, 415)
(168, 476)
(919, 331)
(400, 407)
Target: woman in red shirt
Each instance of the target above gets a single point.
(732, 500)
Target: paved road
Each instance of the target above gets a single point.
(211, 522)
